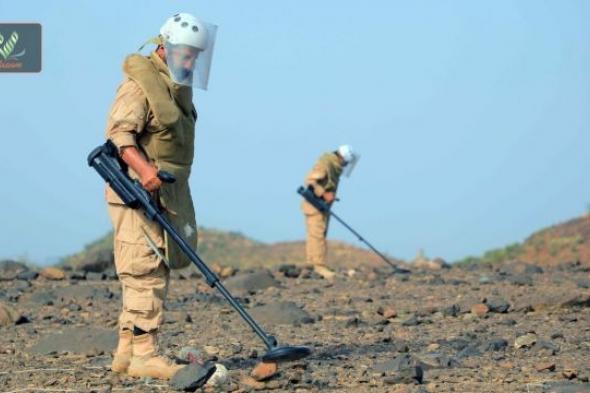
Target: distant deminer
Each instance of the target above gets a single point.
(152, 124)
(323, 179)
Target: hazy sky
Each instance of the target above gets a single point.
(472, 118)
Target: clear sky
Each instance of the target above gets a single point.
(472, 118)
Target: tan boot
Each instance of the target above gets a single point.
(145, 362)
(122, 355)
(324, 271)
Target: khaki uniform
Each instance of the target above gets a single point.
(158, 117)
(324, 178)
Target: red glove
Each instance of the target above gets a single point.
(148, 174)
(329, 196)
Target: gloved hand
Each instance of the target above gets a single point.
(329, 196)
(148, 174)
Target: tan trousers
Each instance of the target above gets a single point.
(316, 246)
(143, 275)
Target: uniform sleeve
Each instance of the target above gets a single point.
(316, 178)
(128, 115)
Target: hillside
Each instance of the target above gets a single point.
(236, 250)
(565, 242)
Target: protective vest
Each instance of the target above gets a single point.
(168, 141)
(324, 177)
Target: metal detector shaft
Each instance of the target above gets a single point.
(362, 239)
(309, 195)
(104, 159)
(213, 280)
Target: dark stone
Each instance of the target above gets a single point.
(28, 275)
(409, 375)
(508, 322)
(451, 311)
(22, 320)
(557, 335)
(456, 344)
(498, 305)
(533, 269)
(280, 313)
(192, 377)
(77, 275)
(547, 348)
(412, 321)
(456, 282)
(251, 282)
(497, 344)
(470, 350)
(583, 283)
(290, 271)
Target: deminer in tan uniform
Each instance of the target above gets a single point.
(152, 123)
(324, 178)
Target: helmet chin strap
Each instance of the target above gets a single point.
(158, 40)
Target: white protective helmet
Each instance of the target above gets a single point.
(188, 43)
(350, 158)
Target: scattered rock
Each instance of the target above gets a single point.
(192, 376)
(498, 305)
(480, 309)
(290, 271)
(409, 375)
(219, 379)
(497, 344)
(251, 282)
(525, 341)
(227, 272)
(264, 371)
(545, 348)
(411, 321)
(281, 313)
(53, 273)
(27, 275)
(387, 313)
(191, 355)
(545, 366)
(452, 310)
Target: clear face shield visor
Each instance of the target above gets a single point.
(189, 65)
(350, 165)
(181, 61)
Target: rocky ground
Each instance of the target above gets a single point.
(480, 328)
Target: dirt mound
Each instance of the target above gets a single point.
(231, 249)
(567, 242)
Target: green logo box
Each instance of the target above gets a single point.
(20, 47)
